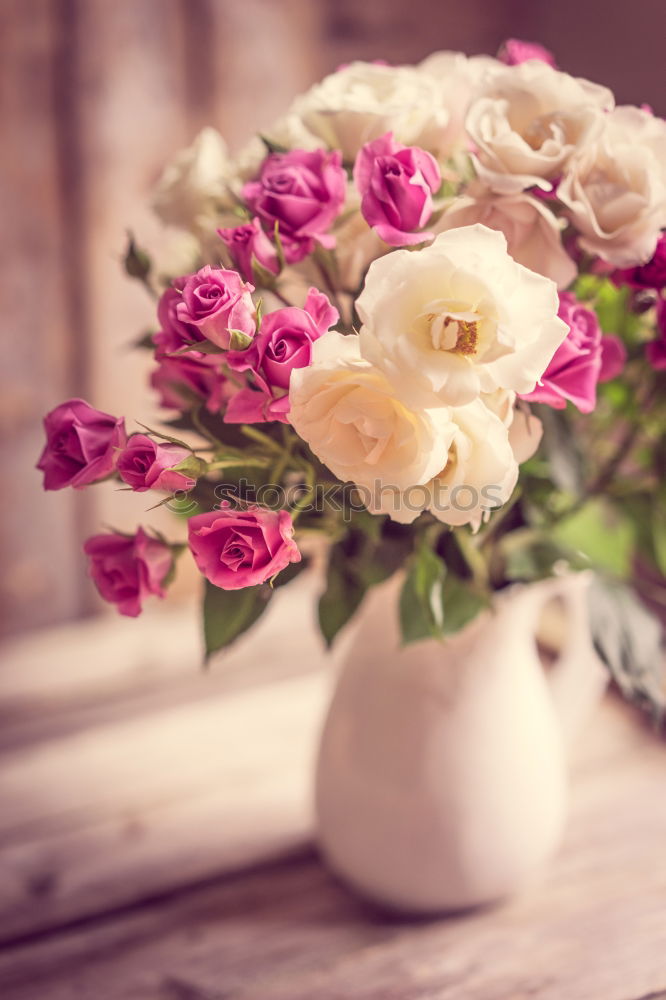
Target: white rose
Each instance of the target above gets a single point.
(194, 187)
(459, 79)
(525, 430)
(479, 473)
(528, 122)
(615, 191)
(459, 317)
(532, 231)
(351, 417)
(363, 101)
(525, 434)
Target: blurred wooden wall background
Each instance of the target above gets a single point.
(95, 96)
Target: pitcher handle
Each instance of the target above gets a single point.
(576, 679)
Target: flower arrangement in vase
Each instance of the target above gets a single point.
(423, 317)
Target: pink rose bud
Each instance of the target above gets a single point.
(656, 351)
(242, 548)
(651, 275)
(82, 445)
(303, 192)
(126, 570)
(218, 303)
(396, 184)
(285, 341)
(183, 381)
(249, 245)
(576, 366)
(174, 334)
(147, 465)
(514, 52)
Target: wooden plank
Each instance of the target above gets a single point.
(594, 928)
(117, 782)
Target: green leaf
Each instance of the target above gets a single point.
(564, 458)
(289, 573)
(192, 466)
(421, 615)
(529, 555)
(461, 603)
(629, 641)
(263, 278)
(601, 533)
(164, 437)
(229, 613)
(342, 596)
(238, 341)
(271, 146)
(202, 346)
(136, 261)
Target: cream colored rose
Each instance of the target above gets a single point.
(194, 187)
(355, 423)
(460, 79)
(529, 121)
(457, 318)
(478, 475)
(525, 430)
(363, 101)
(532, 231)
(615, 190)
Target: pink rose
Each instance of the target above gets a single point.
(396, 184)
(82, 445)
(249, 245)
(513, 52)
(217, 302)
(183, 380)
(651, 275)
(147, 465)
(242, 548)
(175, 334)
(576, 366)
(127, 569)
(656, 351)
(283, 343)
(303, 192)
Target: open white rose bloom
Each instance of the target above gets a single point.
(399, 409)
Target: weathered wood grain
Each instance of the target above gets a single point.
(594, 929)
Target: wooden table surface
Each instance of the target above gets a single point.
(155, 839)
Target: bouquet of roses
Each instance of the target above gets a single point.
(424, 317)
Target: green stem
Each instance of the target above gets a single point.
(263, 439)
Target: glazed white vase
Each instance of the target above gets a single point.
(442, 776)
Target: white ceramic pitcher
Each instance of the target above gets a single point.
(442, 780)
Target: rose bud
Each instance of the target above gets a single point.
(147, 465)
(175, 334)
(219, 304)
(285, 341)
(82, 445)
(303, 192)
(396, 184)
(183, 380)
(578, 363)
(249, 246)
(127, 569)
(514, 52)
(242, 548)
